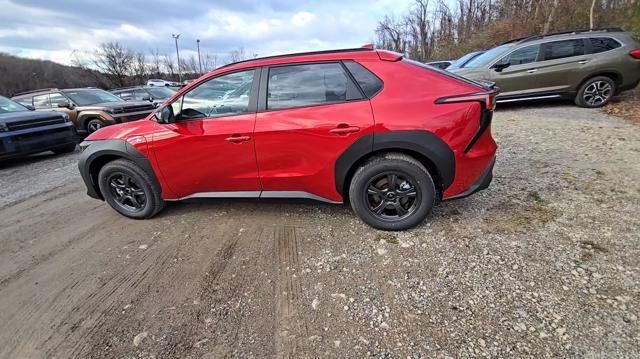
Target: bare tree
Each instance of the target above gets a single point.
(115, 61)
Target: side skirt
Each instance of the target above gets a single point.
(258, 194)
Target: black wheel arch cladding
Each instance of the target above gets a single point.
(103, 151)
(424, 143)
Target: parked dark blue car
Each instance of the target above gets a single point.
(23, 131)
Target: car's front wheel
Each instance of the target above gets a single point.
(596, 92)
(392, 192)
(94, 125)
(129, 190)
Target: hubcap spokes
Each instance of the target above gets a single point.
(597, 93)
(391, 196)
(127, 192)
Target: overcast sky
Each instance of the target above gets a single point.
(53, 29)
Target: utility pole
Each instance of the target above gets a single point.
(176, 37)
(199, 61)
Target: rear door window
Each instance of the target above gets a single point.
(561, 49)
(56, 98)
(41, 101)
(522, 56)
(602, 44)
(308, 85)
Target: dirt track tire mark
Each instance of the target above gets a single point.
(291, 328)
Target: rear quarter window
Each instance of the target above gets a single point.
(603, 44)
(368, 82)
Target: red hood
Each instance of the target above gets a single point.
(123, 131)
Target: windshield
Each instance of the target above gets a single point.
(488, 56)
(7, 106)
(464, 59)
(86, 97)
(160, 92)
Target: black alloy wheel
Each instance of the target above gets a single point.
(392, 196)
(126, 192)
(392, 192)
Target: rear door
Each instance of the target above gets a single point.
(310, 114)
(562, 65)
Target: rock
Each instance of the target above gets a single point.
(143, 246)
(139, 338)
(482, 342)
(382, 251)
(315, 303)
(560, 331)
(336, 343)
(384, 325)
(630, 317)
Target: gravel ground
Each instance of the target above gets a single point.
(544, 263)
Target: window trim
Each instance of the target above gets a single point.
(264, 81)
(253, 95)
(48, 101)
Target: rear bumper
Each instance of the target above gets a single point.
(481, 183)
(38, 139)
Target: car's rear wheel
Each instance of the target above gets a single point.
(596, 92)
(392, 192)
(94, 125)
(65, 149)
(129, 190)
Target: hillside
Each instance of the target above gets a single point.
(20, 74)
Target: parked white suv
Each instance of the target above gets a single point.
(158, 82)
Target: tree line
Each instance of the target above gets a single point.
(442, 30)
(111, 65)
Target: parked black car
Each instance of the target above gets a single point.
(24, 131)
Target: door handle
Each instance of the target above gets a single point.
(237, 138)
(532, 71)
(582, 62)
(344, 129)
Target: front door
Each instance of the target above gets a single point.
(313, 113)
(209, 150)
(519, 78)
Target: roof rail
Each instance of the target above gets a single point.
(126, 88)
(34, 91)
(572, 32)
(299, 54)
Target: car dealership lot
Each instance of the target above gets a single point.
(543, 263)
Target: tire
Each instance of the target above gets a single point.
(596, 92)
(122, 174)
(65, 149)
(93, 125)
(369, 190)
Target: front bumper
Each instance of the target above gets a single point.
(38, 139)
(481, 183)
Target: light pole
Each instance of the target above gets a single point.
(176, 37)
(199, 61)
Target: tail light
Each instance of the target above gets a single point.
(635, 54)
(488, 101)
(486, 98)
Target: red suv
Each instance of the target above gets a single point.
(390, 135)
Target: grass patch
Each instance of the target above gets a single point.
(387, 237)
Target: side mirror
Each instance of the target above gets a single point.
(165, 115)
(147, 98)
(30, 108)
(65, 104)
(500, 66)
